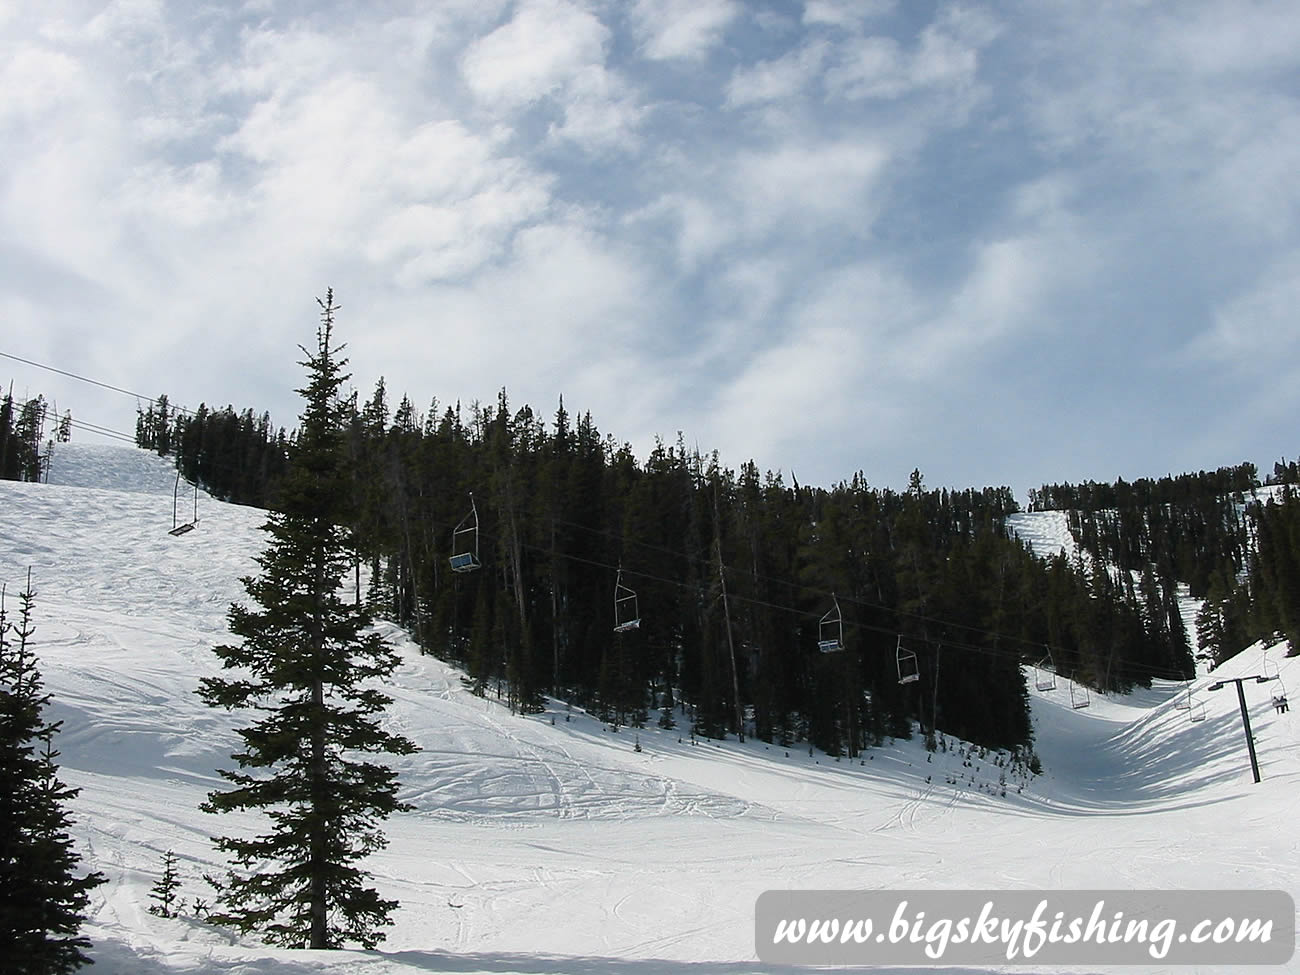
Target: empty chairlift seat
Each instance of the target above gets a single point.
(464, 542)
(830, 632)
(627, 614)
(909, 671)
(179, 527)
(1045, 673)
(1079, 696)
(464, 562)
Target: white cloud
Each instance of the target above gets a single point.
(1257, 329)
(601, 112)
(946, 55)
(1251, 182)
(999, 298)
(564, 313)
(873, 67)
(427, 242)
(703, 228)
(1188, 118)
(126, 20)
(522, 193)
(797, 378)
(682, 29)
(178, 197)
(546, 45)
(35, 81)
(848, 14)
(342, 165)
(806, 187)
(824, 377)
(1013, 287)
(778, 79)
(280, 61)
(1229, 38)
(776, 199)
(555, 50)
(756, 286)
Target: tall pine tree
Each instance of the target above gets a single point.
(307, 669)
(42, 902)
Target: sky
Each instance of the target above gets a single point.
(1004, 244)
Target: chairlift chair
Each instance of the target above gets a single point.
(908, 670)
(1079, 696)
(179, 528)
(1270, 674)
(464, 542)
(1183, 699)
(627, 615)
(1196, 711)
(830, 632)
(1045, 672)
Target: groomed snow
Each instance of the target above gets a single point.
(547, 844)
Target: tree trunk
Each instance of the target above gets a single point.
(319, 785)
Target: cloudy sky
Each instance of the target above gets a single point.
(1006, 243)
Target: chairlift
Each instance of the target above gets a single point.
(1045, 672)
(1079, 696)
(179, 528)
(627, 615)
(1270, 671)
(464, 541)
(1183, 699)
(830, 632)
(1196, 710)
(909, 672)
(1271, 674)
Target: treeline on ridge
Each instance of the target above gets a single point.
(1237, 548)
(24, 448)
(733, 570)
(1183, 527)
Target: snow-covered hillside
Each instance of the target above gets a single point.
(1047, 533)
(547, 844)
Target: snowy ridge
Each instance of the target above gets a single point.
(552, 848)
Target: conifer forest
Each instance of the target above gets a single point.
(739, 576)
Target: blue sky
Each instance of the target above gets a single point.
(1003, 243)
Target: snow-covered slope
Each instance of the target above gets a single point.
(1046, 532)
(548, 844)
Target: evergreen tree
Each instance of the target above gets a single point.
(29, 431)
(9, 461)
(307, 668)
(164, 891)
(42, 902)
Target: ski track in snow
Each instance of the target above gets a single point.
(547, 849)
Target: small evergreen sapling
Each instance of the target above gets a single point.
(164, 891)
